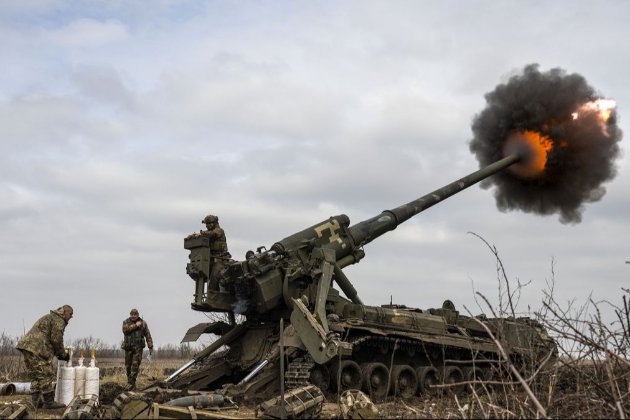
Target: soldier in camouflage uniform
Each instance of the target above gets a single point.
(135, 330)
(218, 249)
(40, 344)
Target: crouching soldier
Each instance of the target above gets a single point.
(135, 330)
(40, 344)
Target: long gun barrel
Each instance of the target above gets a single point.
(346, 240)
(368, 230)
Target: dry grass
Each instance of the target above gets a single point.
(570, 390)
(12, 369)
(113, 378)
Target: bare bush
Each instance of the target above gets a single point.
(115, 351)
(591, 377)
(102, 349)
(594, 373)
(11, 366)
(7, 345)
(171, 351)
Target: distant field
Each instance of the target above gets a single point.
(112, 373)
(114, 369)
(111, 369)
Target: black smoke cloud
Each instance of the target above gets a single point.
(584, 150)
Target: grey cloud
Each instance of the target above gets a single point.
(85, 33)
(103, 85)
(55, 126)
(15, 202)
(276, 118)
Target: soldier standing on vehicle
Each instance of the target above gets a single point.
(40, 344)
(218, 249)
(135, 330)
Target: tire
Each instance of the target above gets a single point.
(346, 375)
(427, 377)
(404, 381)
(375, 380)
(474, 374)
(320, 377)
(452, 375)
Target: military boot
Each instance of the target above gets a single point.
(36, 397)
(49, 401)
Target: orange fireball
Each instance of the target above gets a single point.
(533, 147)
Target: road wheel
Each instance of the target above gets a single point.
(375, 380)
(320, 377)
(427, 377)
(404, 381)
(346, 375)
(452, 375)
(475, 375)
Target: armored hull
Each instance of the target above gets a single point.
(382, 350)
(394, 350)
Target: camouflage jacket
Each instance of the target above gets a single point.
(45, 338)
(134, 335)
(218, 244)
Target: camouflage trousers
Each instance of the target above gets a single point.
(217, 268)
(40, 372)
(132, 363)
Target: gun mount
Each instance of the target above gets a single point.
(328, 336)
(260, 283)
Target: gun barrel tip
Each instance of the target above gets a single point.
(518, 148)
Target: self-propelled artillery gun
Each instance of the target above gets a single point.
(330, 337)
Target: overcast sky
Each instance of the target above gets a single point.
(123, 123)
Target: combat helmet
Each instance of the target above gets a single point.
(211, 218)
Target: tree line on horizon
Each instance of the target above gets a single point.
(104, 349)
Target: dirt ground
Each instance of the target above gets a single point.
(393, 410)
(566, 396)
(113, 379)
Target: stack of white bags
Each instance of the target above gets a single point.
(76, 381)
